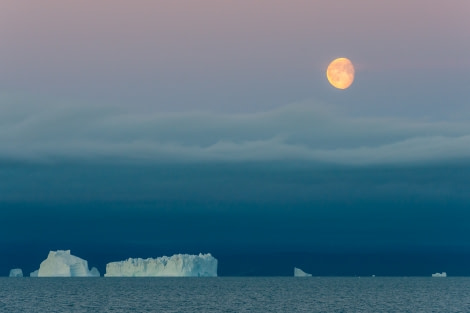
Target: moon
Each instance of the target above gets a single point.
(340, 73)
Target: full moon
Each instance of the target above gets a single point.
(340, 73)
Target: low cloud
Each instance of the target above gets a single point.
(307, 132)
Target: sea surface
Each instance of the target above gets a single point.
(236, 294)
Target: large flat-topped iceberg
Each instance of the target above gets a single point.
(16, 272)
(178, 265)
(299, 273)
(61, 263)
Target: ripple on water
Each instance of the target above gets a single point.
(235, 294)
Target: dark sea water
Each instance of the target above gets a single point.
(237, 294)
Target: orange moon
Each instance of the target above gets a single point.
(340, 73)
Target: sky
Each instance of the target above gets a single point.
(142, 128)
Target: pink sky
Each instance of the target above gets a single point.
(218, 31)
(58, 44)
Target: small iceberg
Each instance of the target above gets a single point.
(443, 274)
(16, 272)
(299, 273)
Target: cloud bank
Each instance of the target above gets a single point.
(303, 132)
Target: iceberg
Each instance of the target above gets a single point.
(299, 273)
(61, 263)
(16, 272)
(178, 265)
(443, 274)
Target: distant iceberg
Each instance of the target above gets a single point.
(178, 265)
(299, 273)
(443, 274)
(16, 272)
(61, 263)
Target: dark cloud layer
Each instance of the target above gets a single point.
(279, 202)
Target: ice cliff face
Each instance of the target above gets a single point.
(16, 272)
(176, 265)
(62, 264)
(299, 273)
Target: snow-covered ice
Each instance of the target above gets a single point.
(299, 273)
(61, 263)
(16, 272)
(182, 265)
(34, 274)
(443, 274)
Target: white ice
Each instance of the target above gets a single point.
(299, 273)
(182, 265)
(443, 274)
(61, 263)
(16, 272)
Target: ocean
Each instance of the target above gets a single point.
(236, 294)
